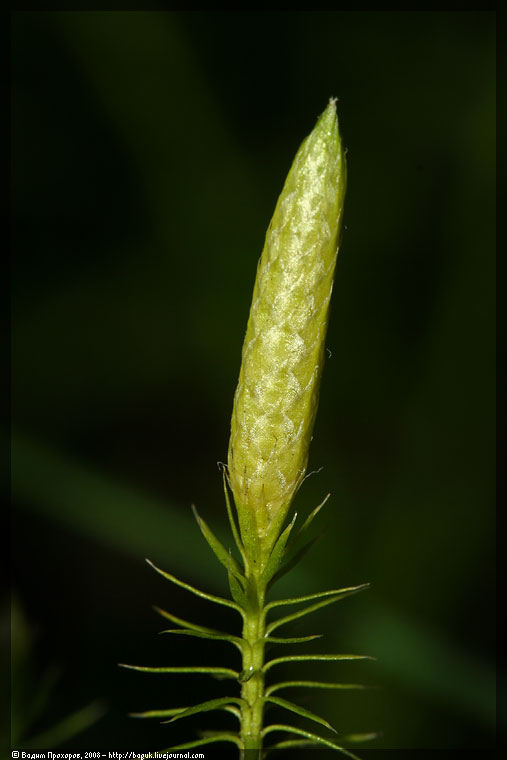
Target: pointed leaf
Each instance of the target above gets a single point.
(300, 711)
(248, 534)
(219, 550)
(309, 597)
(230, 515)
(210, 704)
(292, 744)
(314, 738)
(218, 672)
(158, 713)
(302, 743)
(295, 640)
(294, 559)
(197, 592)
(225, 737)
(300, 613)
(231, 709)
(175, 710)
(202, 635)
(277, 553)
(186, 623)
(311, 517)
(313, 685)
(315, 657)
(237, 591)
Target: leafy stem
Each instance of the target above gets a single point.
(249, 584)
(271, 429)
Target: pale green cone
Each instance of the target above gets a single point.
(277, 394)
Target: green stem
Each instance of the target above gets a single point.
(252, 690)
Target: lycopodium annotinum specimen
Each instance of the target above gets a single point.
(272, 421)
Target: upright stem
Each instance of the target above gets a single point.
(252, 689)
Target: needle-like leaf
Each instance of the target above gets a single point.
(294, 558)
(300, 711)
(196, 591)
(186, 623)
(219, 550)
(157, 713)
(313, 685)
(175, 710)
(315, 657)
(314, 738)
(210, 704)
(342, 592)
(237, 590)
(230, 515)
(295, 640)
(277, 553)
(218, 672)
(225, 737)
(301, 613)
(291, 744)
(311, 517)
(239, 643)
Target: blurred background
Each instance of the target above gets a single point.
(148, 151)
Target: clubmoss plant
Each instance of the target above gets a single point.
(274, 411)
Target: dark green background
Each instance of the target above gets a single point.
(148, 150)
